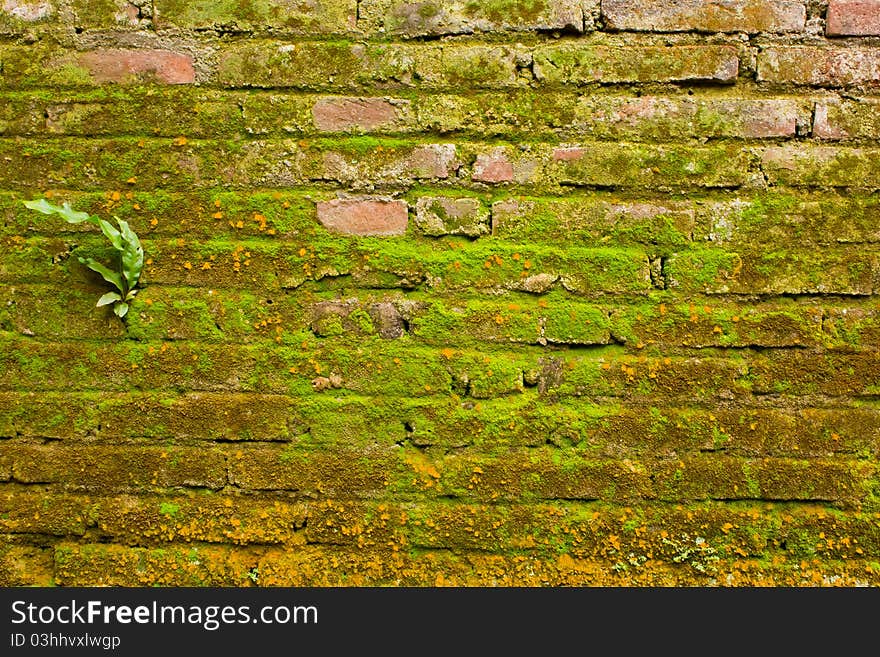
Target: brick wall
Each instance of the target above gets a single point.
(515, 292)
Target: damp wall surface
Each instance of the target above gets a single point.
(505, 293)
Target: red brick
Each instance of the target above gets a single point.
(493, 167)
(701, 16)
(117, 65)
(364, 216)
(337, 114)
(822, 67)
(853, 18)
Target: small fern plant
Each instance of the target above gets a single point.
(130, 253)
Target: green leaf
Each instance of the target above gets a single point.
(70, 215)
(112, 234)
(108, 298)
(120, 309)
(132, 255)
(109, 275)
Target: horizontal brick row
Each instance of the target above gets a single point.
(198, 113)
(540, 473)
(658, 223)
(408, 19)
(555, 318)
(355, 68)
(361, 163)
(485, 265)
(584, 530)
(397, 369)
(690, 563)
(594, 429)
(597, 430)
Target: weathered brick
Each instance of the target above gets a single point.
(718, 325)
(28, 10)
(853, 17)
(364, 216)
(656, 117)
(106, 468)
(415, 19)
(300, 17)
(450, 215)
(784, 219)
(822, 166)
(363, 67)
(583, 64)
(26, 565)
(821, 67)
(750, 16)
(367, 114)
(724, 478)
(799, 372)
(662, 167)
(107, 564)
(151, 520)
(137, 66)
(593, 218)
(783, 271)
(339, 474)
(493, 167)
(838, 118)
(26, 512)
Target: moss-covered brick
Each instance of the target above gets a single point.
(849, 271)
(841, 483)
(822, 166)
(101, 164)
(158, 520)
(593, 218)
(420, 19)
(574, 63)
(109, 15)
(24, 511)
(25, 565)
(341, 473)
(327, 17)
(852, 326)
(553, 319)
(843, 119)
(114, 467)
(107, 564)
(669, 324)
(786, 218)
(337, 66)
(643, 377)
(659, 167)
(203, 214)
(816, 373)
(530, 475)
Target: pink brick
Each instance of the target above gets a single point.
(493, 167)
(703, 16)
(824, 67)
(823, 128)
(432, 161)
(364, 216)
(354, 113)
(116, 65)
(853, 18)
(568, 154)
(27, 11)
